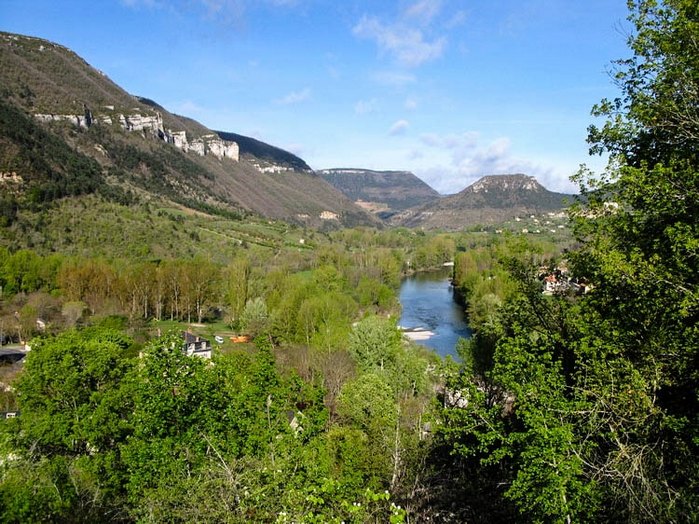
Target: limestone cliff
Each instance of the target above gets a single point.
(151, 125)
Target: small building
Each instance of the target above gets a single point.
(196, 345)
(551, 284)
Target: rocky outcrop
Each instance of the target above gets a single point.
(77, 120)
(272, 168)
(220, 148)
(152, 125)
(328, 215)
(138, 122)
(10, 182)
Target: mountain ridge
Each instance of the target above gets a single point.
(385, 192)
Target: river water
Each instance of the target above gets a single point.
(428, 303)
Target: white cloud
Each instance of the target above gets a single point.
(394, 78)
(410, 103)
(399, 128)
(468, 158)
(365, 107)
(407, 45)
(463, 142)
(424, 10)
(295, 97)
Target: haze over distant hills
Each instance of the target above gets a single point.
(58, 112)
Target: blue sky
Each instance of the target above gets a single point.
(449, 89)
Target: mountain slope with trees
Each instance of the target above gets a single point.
(128, 145)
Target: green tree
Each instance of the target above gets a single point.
(368, 403)
(641, 251)
(255, 317)
(375, 343)
(65, 444)
(237, 276)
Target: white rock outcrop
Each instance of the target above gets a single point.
(274, 168)
(78, 120)
(152, 124)
(221, 148)
(328, 215)
(138, 122)
(197, 145)
(179, 138)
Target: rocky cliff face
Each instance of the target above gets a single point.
(516, 184)
(152, 126)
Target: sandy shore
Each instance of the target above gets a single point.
(417, 334)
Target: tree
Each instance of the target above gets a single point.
(73, 420)
(375, 343)
(642, 247)
(367, 403)
(254, 317)
(237, 276)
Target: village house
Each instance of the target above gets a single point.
(195, 345)
(560, 281)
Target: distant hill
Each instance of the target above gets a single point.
(66, 129)
(491, 199)
(383, 192)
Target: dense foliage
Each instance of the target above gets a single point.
(588, 404)
(320, 420)
(48, 167)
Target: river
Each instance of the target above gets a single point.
(428, 304)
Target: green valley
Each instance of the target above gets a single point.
(197, 327)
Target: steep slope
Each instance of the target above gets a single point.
(384, 192)
(133, 146)
(491, 199)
